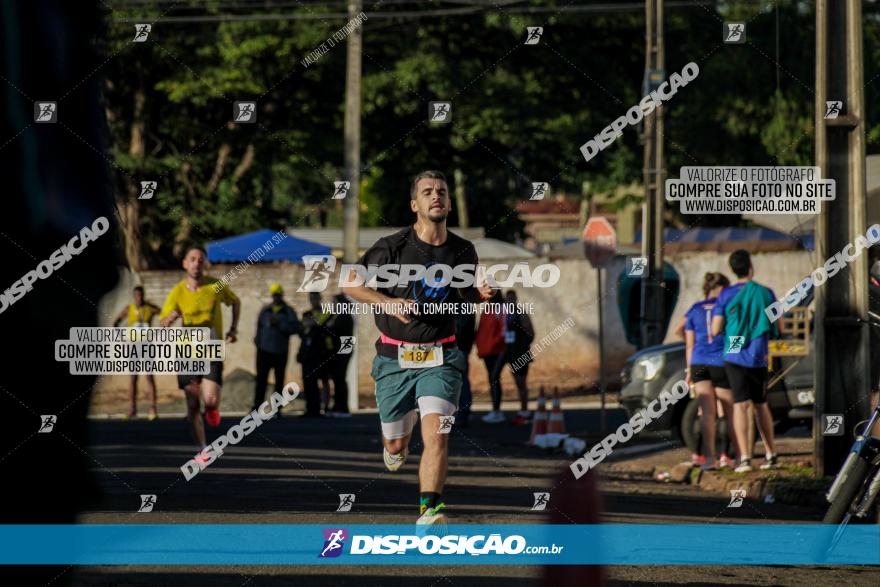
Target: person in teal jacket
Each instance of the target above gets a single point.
(739, 314)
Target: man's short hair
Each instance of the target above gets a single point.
(139, 288)
(195, 248)
(740, 262)
(429, 174)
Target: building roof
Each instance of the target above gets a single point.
(549, 206)
(490, 248)
(754, 240)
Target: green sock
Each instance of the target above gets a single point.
(428, 500)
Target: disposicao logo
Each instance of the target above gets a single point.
(334, 541)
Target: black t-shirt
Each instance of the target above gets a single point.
(340, 325)
(405, 248)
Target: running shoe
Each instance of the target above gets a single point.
(745, 465)
(394, 462)
(493, 418)
(201, 457)
(772, 463)
(698, 460)
(152, 415)
(726, 462)
(708, 465)
(212, 417)
(131, 415)
(433, 516)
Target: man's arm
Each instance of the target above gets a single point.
(778, 323)
(780, 328)
(236, 312)
(170, 310)
(259, 326)
(472, 294)
(481, 290)
(365, 295)
(291, 323)
(122, 315)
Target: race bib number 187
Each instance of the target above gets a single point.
(419, 356)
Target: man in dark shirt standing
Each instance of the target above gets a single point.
(418, 363)
(342, 326)
(465, 327)
(276, 323)
(314, 353)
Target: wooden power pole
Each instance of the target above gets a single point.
(652, 303)
(842, 338)
(351, 206)
(352, 131)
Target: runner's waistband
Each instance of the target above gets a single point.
(388, 340)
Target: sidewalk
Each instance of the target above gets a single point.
(792, 483)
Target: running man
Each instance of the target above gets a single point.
(197, 300)
(140, 315)
(418, 364)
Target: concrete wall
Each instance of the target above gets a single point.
(779, 271)
(570, 362)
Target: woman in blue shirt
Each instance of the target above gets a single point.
(705, 369)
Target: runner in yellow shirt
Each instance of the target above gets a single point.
(139, 315)
(197, 300)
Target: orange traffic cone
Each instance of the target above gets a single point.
(539, 422)
(557, 420)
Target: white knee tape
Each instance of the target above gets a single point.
(429, 404)
(400, 428)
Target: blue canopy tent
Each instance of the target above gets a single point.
(238, 248)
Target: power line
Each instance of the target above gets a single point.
(415, 14)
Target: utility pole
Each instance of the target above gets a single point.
(652, 303)
(351, 205)
(460, 198)
(842, 337)
(352, 131)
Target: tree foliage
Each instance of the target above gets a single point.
(520, 112)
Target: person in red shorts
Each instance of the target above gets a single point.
(197, 299)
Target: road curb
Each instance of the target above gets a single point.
(800, 491)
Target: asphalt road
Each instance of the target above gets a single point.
(292, 470)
